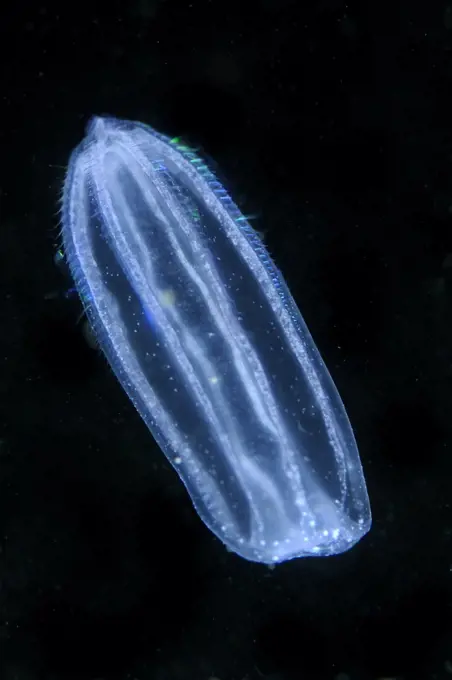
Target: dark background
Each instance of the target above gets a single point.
(332, 123)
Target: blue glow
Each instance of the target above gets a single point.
(204, 336)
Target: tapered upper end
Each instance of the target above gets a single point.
(96, 127)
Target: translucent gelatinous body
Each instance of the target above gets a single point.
(204, 336)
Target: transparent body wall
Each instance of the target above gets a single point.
(204, 336)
